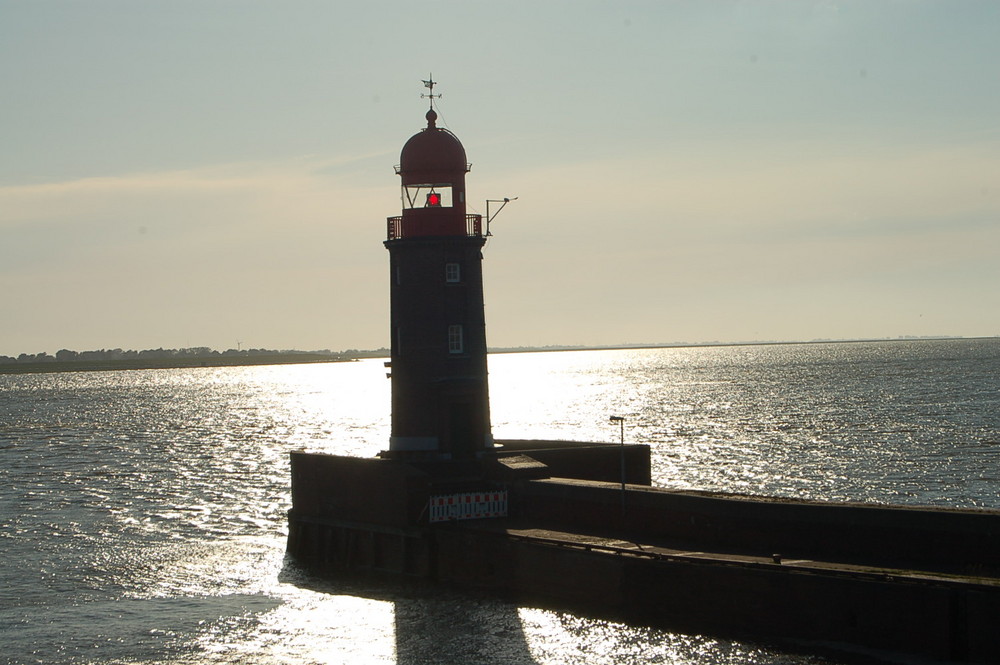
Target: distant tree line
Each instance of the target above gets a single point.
(193, 353)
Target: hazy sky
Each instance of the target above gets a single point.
(193, 173)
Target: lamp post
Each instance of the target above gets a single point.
(621, 424)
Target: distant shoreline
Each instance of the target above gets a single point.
(167, 363)
(297, 358)
(684, 345)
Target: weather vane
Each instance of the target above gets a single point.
(430, 83)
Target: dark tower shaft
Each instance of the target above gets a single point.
(440, 395)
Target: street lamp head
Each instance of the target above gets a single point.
(617, 419)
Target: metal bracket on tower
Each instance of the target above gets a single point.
(489, 218)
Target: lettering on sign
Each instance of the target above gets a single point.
(468, 506)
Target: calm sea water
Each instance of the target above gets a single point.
(142, 513)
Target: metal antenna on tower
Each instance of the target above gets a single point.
(430, 83)
(489, 218)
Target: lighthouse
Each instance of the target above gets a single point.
(440, 396)
(589, 530)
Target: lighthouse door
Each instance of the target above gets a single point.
(463, 429)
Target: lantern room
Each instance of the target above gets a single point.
(432, 167)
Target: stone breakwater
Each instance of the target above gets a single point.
(894, 579)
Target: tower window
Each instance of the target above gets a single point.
(452, 272)
(456, 342)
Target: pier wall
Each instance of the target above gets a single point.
(942, 620)
(967, 541)
(947, 620)
(585, 461)
(355, 489)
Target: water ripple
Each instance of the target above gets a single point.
(143, 513)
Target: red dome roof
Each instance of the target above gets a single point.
(431, 155)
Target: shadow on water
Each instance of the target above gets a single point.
(446, 627)
(432, 624)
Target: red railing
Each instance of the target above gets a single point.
(394, 228)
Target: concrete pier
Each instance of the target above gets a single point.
(896, 580)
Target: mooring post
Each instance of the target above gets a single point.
(621, 423)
